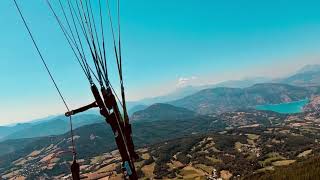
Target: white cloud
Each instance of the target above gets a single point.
(185, 81)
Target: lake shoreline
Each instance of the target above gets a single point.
(285, 108)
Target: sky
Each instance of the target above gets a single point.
(166, 44)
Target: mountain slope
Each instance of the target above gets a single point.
(309, 68)
(7, 130)
(161, 111)
(244, 83)
(308, 75)
(177, 94)
(12, 128)
(304, 79)
(219, 100)
(136, 108)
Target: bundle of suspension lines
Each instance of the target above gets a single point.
(83, 34)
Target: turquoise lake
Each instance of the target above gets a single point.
(285, 108)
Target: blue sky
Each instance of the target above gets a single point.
(163, 41)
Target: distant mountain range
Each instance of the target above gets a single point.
(177, 94)
(308, 75)
(309, 68)
(244, 83)
(12, 128)
(55, 126)
(6, 130)
(189, 90)
(219, 100)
